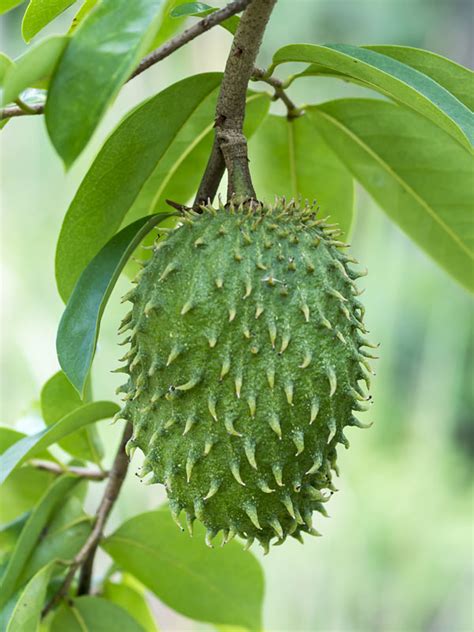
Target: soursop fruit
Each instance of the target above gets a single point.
(247, 359)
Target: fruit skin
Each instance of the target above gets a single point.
(245, 365)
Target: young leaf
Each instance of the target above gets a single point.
(119, 172)
(39, 13)
(131, 597)
(417, 174)
(30, 446)
(92, 71)
(200, 9)
(79, 327)
(92, 614)
(392, 78)
(31, 532)
(291, 158)
(58, 398)
(221, 585)
(455, 78)
(8, 5)
(37, 63)
(26, 613)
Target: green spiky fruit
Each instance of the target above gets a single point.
(245, 365)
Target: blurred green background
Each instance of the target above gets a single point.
(397, 552)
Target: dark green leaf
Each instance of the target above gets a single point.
(9, 533)
(417, 174)
(39, 14)
(93, 69)
(291, 158)
(36, 64)
(129, 595)
(455, 78)
(93, 614)
(220, 585)
(7, 5)
(31, 532)
(30, 446)
(200, 9)
(392, 78)
(26, 613)
(119, 172)
(79, 327)
(58, 398)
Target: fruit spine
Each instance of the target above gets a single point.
(247, 355)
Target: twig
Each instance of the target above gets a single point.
(85, 557)
(160, 53)
(230, 145)
(57, 468)
(261, 75)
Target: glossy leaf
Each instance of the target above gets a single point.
(93, 69)
(39, 13)
(455, 78)
(8, 5)
(291, 158)
(26, 614)
(119, 172)
(131, 597)
(37, 63)
(31, 533)
(58, 398)
(220, 585)
(417, 174)
(30, 446)
(201, 9)
(392, 78)
(79, 327)
(92, 614)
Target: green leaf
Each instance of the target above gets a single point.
(168, 26)
(417, 174)
(58, 398)
(30, 446)
(200, 9)
(37, 63)
(85, 9)
(26, 614)
(404, 84)
(291, 158)
(455, 78)
(5, 64)
(119, 172)
(129, 595)
(31, 532)
(39, 13)
(8, 5)
(65, 535)
(221, 585)
(79, 327)
(93, 614)
(93, 69)
(9, 533)
(178, 173)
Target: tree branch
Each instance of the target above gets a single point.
(159, 54)
(57, 468)
(85, 557)
(261, 75)
(230, 145)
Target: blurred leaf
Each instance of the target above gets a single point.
(5, 63)
(37, 63)
(31, 532)
(79, 327)
(93, 614)
(61, 540)
(455, 78)
(26, 614)
(168, 26)
(7, 5)
(126, 595)
(119, 172)
(200, 9)
(39, 13)
(177, 175)
(413, 170)
(390, 77)
(58, 398)
(9, 533)
(85, 9)
(93, 69)
(221, 585)
(31, 445)
(291, 158)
